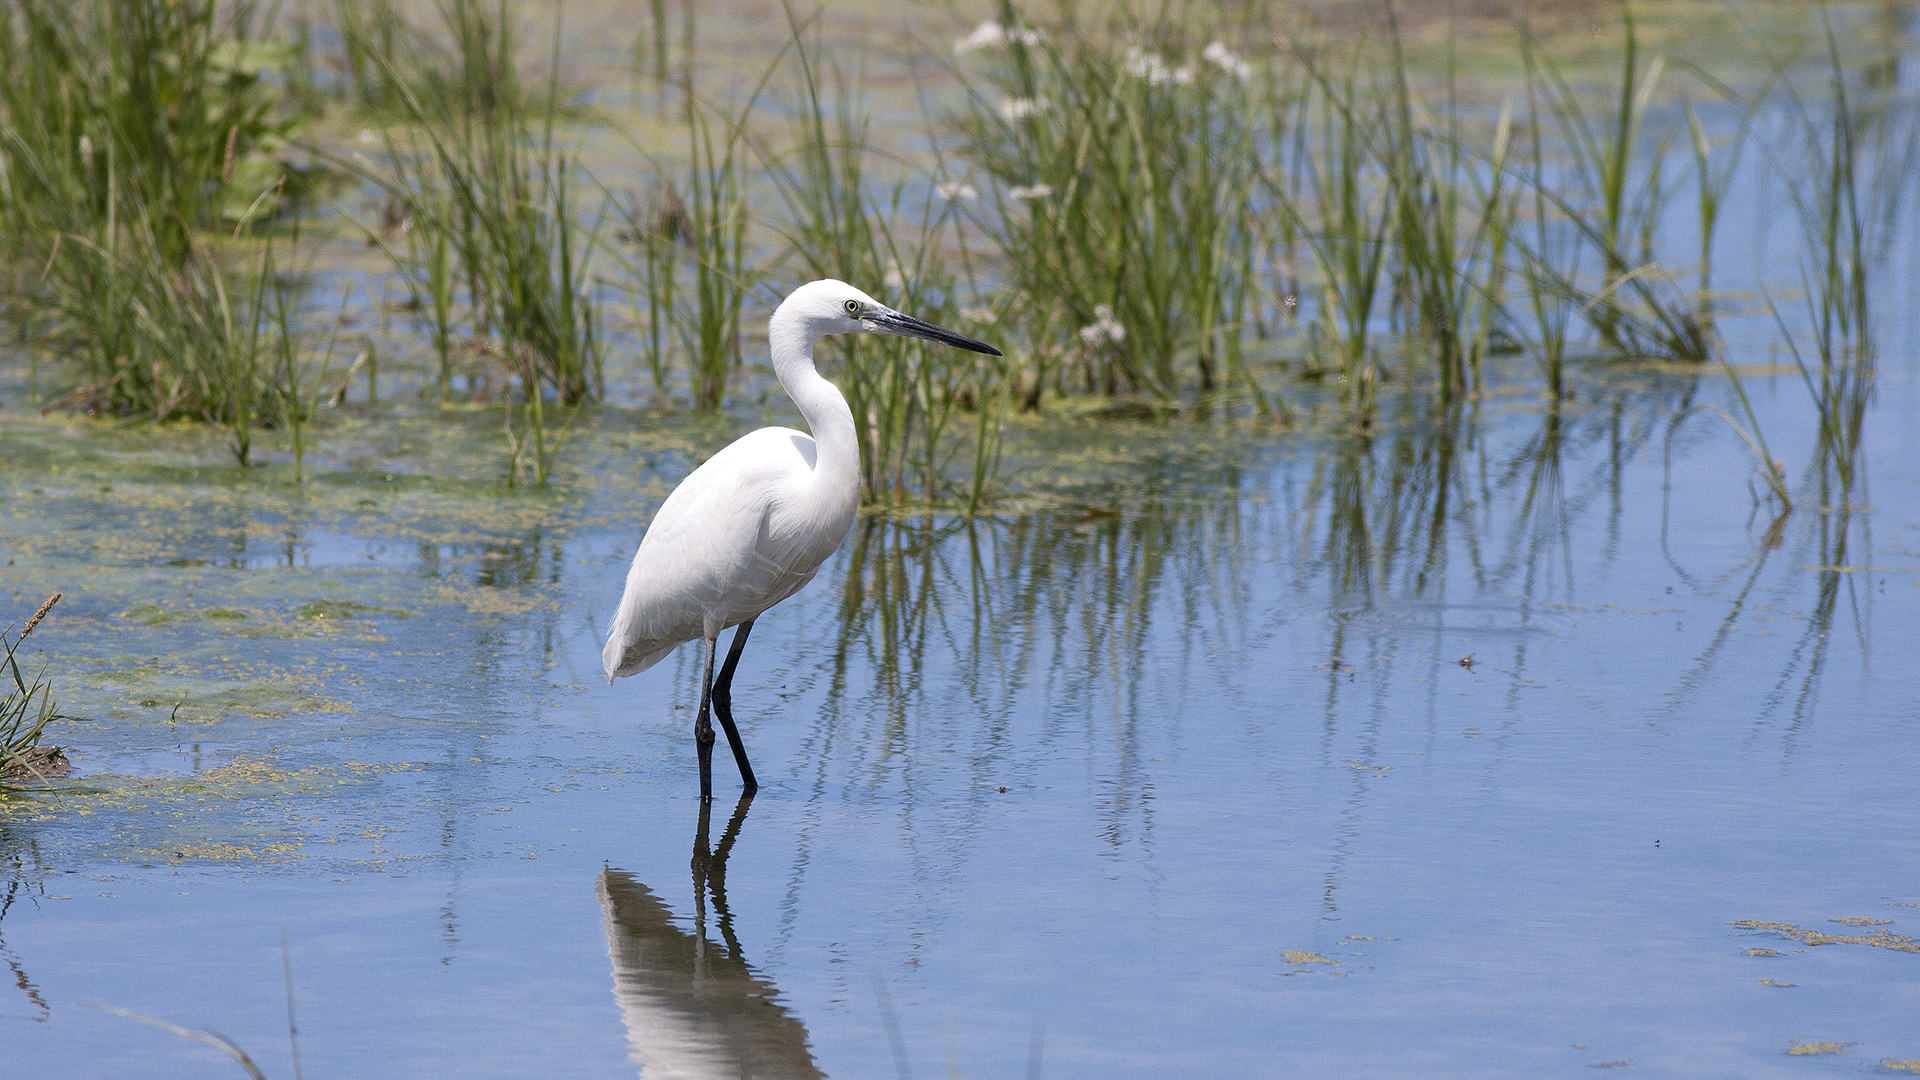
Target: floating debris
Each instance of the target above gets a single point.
(1879, 939)
(1800, 1048)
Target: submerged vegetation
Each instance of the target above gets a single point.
(1154, 211)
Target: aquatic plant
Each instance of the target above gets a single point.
(719, 275)
(132, 134)
(1453, 214)
(1635, 305)
(26, 708)
(910, 401)
(1330, 187)
(694, 269)
(1122, 166)
(1134, 197)
(1851, 168)
(484, 183)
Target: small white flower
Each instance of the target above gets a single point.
(985, 36)
(981, 314)
(991, 35)
(1153, 68)
(1030, 191)
(1142, 64)
(1228, 61)
(368, 137)
(1014, 109)
(956, 189)
(1105, 330)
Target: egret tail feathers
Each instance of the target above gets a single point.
(621, 659)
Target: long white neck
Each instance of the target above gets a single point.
(837, 445)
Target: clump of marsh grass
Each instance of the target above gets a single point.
(694, 267)
(718, 273)
(1329, 184)
(190, 339)
(373, 38)
(488, 197)
(658, 229)
(1615, 203)
(929, 418)
(1453, 216)
(1851, 168)
(26, 708)
(1121, 164)
(132, 134)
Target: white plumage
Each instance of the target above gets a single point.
(749, 528)
(743, 532)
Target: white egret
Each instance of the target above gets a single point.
(749, 527)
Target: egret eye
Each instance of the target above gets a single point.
(853, 308)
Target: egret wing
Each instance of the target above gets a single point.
(704, 562)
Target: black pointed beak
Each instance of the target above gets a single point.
(892, 322)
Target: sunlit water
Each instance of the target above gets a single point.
(1195, 780)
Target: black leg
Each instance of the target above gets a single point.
(703, 728)
(723, 706)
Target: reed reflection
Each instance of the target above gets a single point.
(24, 880)
(694, 1008)
(1446, 510)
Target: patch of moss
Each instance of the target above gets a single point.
(154, 614)
(343, 609)
(158, 615)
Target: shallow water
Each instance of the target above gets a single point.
(1189, 778)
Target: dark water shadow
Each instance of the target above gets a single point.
(694, 1008)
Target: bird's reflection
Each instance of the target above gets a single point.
(694, 1009)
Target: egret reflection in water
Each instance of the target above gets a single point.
(694, 1008)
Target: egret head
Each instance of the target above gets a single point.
(835, 307)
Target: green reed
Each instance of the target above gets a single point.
(718, 273)
(374, 40)
(26, 703)
(164, 104)
(1452, 216)
(133, 133)
(1122, 166)
(694, 268)
(298, 380)
(487, 196)
(1604, 191)
(1851, 167)
(1329, 183)
(910, 400)
(657, 228)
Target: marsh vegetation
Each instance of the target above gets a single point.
(1231, 216)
